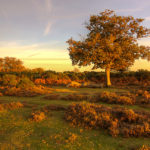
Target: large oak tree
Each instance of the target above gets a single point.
(111, 43)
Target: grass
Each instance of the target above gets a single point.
(54, 133)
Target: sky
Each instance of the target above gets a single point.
(36, 31)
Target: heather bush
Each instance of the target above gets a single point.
(27, 92)
(116, 120)
(113, 98)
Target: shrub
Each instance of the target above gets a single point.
(9, 80)
(116, 120)
(13, 105)
(25, 83)
(72, 138)
(10, 106)
(27, 92)
(144, 147)
(38, 116)
(144, 97)
(113, 98)
(40, 81)
(1, 94)
(1, 108)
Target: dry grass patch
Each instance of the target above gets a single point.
(76, 97)
(54, 108)
(52, 97)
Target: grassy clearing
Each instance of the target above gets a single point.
(54, 133)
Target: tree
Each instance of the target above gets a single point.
(111, 43)
(11, 64)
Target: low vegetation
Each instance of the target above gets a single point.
(10, 106)
(36, 110)
(116, 120)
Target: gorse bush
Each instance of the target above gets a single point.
(116, 120)
(38, 116)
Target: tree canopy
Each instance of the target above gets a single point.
(111, 43)
(11, 64)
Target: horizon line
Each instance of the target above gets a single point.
(44, 59)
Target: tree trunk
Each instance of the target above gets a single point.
(108, 82)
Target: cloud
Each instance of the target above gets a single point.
(47, 28)
(32, 55)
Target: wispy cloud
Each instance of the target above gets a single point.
(32, 55)
(47, 29)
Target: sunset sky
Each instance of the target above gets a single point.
(36, 31)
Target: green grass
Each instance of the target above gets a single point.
(53, 133)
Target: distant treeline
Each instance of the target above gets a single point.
(39, 75)
(12, 68)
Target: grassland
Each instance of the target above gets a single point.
(17, 131)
